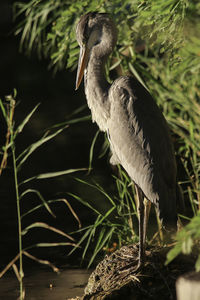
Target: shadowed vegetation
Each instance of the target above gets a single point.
(158, 44)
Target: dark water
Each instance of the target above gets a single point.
(43, 284)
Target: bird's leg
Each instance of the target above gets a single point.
(147, 207)
(141, 225)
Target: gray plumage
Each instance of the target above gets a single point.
(138, 133)
(141, 143)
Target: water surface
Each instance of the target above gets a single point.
(44, 284)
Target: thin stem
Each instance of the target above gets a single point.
(19, 222)
(10, 125)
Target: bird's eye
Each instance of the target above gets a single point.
(97, 41)
(94, 38)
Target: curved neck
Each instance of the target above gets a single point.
(96, 89)
(96, 85)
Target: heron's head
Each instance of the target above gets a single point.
(96, 34)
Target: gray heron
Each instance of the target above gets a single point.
(138, 132)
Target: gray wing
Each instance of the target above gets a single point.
(141, 143)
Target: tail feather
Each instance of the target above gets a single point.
(167, 209)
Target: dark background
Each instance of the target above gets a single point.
(36, 84)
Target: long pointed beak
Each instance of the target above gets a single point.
(82, 64)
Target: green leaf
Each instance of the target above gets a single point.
(53, 244)
(53, 174)
(92, 150)
(46, 226)
(173, 253)
(28, 191)
(54, 201)
(25, 121)
(28, 151)
(187, 245)
(100, 244)
(85, 203)
(3, 110)
(72, 121)
(91, 235)
(82, 239)
(137, 76)
(99, 188)
(197, 264)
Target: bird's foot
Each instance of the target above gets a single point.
(140, 264)
(133, 267)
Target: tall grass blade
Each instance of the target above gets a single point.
(105, 216)
(28, 151)
(44, 202)
(84, 203)
(15, 269)
(92, 150)
(46, 226)
(41, 261)
(25, 121)
(91, 235)
(9, 265)
(100, 244)
(73, 121)
(53, 174)
(54, 201)
(46, 245)
(90, 228)
(3, 110)
(105, 147)
(137, 76)
(97, 187)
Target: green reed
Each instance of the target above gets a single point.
(18, 160)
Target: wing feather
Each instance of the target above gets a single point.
(141, 142)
